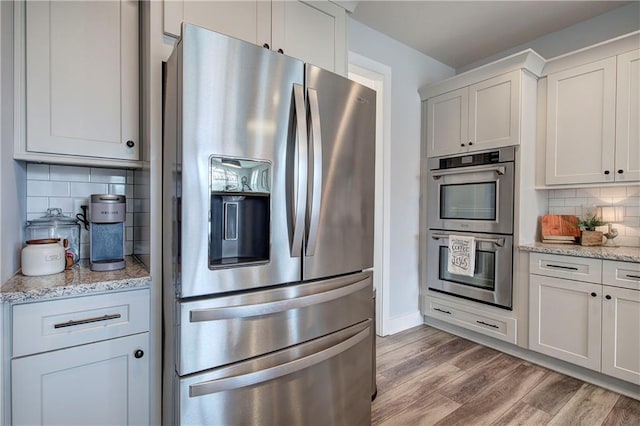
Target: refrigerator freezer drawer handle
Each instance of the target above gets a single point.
(244, 311)
(301, 178)
(315, 197)
(498, 169)
(245, 380)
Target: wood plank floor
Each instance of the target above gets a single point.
(426, 376)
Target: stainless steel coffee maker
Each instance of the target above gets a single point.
(106, 232)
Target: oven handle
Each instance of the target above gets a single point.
(438, 174)
(497, 241)
(260, 376)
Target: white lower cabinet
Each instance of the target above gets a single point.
(82, 360)
(103, 383)
(591, 324)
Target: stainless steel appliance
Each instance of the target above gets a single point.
(472, 192)
(268, 233)
(472, 195)
(107, 215)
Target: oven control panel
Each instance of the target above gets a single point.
(470, 160)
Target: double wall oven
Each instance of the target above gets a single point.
(472, 195)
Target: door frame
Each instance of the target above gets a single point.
(378, 75)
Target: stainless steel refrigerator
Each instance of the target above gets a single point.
(268, 186)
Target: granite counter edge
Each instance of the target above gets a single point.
(579, 251)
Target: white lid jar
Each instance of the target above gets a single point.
(43, 257)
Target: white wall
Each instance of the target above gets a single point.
(410, 70)
(603, 27)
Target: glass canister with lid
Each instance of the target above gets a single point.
(54, 224)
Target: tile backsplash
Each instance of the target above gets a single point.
(582, 200)
(69, 187)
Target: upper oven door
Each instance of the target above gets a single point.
(475, 198)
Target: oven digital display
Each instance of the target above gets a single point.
(466, 160)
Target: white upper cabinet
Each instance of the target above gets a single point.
(482, 108)
(593, 114)
(81, 82)
(628, 117)
(581, 124)
(313, 31)
(481, 116)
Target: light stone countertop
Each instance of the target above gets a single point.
(78, 280)
(622, 254)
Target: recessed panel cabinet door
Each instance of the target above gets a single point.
(621, 333)
(447, 123)
(82, 78)
(581, 124)
(101, 383)
(628, 117)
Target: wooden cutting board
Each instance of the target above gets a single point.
(559, 225)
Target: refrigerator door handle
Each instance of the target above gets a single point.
(235, 382)
(253, 310)
(315, 186)
(300, 180)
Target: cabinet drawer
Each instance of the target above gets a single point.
(502, 328)
(621, 274)
(569, 267)
(55, 324)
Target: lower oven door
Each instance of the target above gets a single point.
(326, 381)
(493, 274)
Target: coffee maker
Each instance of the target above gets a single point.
(106, 232)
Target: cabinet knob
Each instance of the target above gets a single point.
(280, 51)
(606, 172)
(620, 171)
(593, 294)
(470, 143)
(461, 144)
(139, 353)
(607, 297)
(266, 46)
(131, 144)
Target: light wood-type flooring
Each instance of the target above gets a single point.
(426, 376)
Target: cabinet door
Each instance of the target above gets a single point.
(82, 78)
(248, 20)
(621, 333)
(494, 112)
(447, 123)
(628, 117)
(581, 124)
(313, 31)
(100, 383)
(564, 320)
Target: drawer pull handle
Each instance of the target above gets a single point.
(71, 323)
(637, 277)
(442, 310)
(571, 268)
(487, 324)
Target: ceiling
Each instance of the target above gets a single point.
(458, 33)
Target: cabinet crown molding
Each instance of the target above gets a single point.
(528, 60)
(615, 46)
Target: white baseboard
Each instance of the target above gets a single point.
(404, 322)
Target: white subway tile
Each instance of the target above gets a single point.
(84, 235)
(631, 221)
(41, 188)
(130, 177)
(31, 216)
(70, 173)
(79, 202)
(141, 205)
(556, 202)
(629, 201)
(128, 248)
(84, 251)
(108, 175)
(614, 192)
(562, 210)
(37, 171)
(565, 193)
(575, 202)
(633, 191)
(37, 205)
(141, 191)
(632, 211)
(588, 192)
(86, 189)
(117, 189)
(128, 191)
(64, 203)
(141, 219)
(128, 233)
(128, 218)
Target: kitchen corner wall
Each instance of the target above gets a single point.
(582, 200)
(69, 187)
